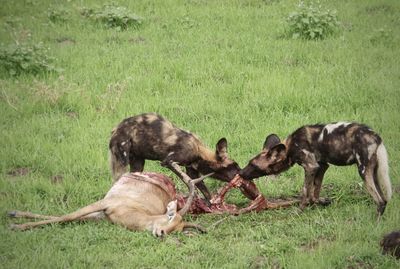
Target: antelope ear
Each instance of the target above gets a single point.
(172, 206)
(222, 149)
(271, 141)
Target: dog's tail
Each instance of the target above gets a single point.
(383, 173)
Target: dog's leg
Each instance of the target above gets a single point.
(193, 174)
(308, 189)
(136, 164)
(311, 168)
(318, 183)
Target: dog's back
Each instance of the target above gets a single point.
(314, 147)
(340, 143)
(151, 137)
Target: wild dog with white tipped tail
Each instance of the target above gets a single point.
(150, 136)
(314, 147)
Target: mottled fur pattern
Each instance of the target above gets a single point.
(314, 147)
(149, 136)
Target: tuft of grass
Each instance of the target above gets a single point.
(58, 15)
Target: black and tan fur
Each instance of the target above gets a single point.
(390, 244)
(149, 136)
(314, 147)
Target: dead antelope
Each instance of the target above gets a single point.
(137, 201)
(151, 137)
(315, 146)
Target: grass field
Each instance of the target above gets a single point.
(219, 69)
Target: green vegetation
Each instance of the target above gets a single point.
(312, 22)
(220, 69)
(17, 59)
(113, 16)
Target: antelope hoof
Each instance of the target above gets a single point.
(158, 232)
(12, 214)
(16, 227)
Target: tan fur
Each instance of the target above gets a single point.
(206, 154)
(136, 202)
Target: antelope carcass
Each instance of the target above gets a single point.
(137, 201)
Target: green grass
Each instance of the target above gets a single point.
(219, 69)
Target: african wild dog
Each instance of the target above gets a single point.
(152, 137)
(390, 244)
(314, 146)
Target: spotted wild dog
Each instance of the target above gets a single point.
(390, 244)
(149, 136)
(315, 146)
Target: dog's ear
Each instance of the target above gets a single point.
(277, 153)
(222, 149)
(271, 141)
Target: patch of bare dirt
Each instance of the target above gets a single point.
(72, 114)
(137, 40)
(357, 263)
(315, 244)
(46, 92)
(383, 8)
(65, 41)
(259, 262)
(262, 262)
(19, 172)
(56, 179)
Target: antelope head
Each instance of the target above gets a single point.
(172, 221)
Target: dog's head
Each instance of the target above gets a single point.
(221, 166)
(173, 222)
(271, 160)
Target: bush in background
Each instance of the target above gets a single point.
(312, 22)
(18, 59)
(113, 16)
